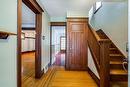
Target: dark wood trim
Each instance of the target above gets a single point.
(58, 23)
(28, 28)
(9, 33)
(38, 72)
(5, 35)
(19, 28)
(33, 5)
(30, 37)
(73, 19)
(77, 18)
(51, 45)
(96, 79)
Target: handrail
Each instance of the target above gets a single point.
(96, 35)
(9, 33)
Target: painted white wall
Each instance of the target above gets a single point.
(46, 42)
(58, 19)
(77, 13)
(91, 64)
(8, 48)
(112, 18)
(28, 44)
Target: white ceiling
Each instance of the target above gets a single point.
(59, 8)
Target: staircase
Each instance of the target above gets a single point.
(118, 75)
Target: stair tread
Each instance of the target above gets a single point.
(112, 48)
(115, 54)
(118, 72)
(115, 62)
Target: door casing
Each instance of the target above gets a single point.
(34, 6)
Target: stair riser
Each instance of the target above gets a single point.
(112, 46)
(114, 52)
(116, 66)
(116, 58)
(119, 77)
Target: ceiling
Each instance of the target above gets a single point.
(59, 8)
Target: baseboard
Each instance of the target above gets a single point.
(96, 79)
(42, 72)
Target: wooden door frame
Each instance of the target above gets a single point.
(55, 24)
(35, 7)
(60, 43)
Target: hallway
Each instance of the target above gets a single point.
(59, 77)
(62, 78)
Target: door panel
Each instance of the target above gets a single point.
(77, 45)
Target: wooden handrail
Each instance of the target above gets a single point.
(9, 33)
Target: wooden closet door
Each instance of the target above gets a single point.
(77, 44)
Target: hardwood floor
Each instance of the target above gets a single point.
(56, 76)
(28, 66)
(63, 78)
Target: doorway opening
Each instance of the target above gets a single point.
(28, 39)
(34, 34)
(58, 45)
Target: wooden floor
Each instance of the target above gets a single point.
(28, 66)
(56, 76)
(63, 78)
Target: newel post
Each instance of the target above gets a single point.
(104, 64)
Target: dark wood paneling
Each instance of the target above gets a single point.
(77, 33)
(58, 23)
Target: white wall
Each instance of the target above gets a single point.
(46, 42)
(58, 19)
(28, 44)
(112, 18)
(8, 48)
(77, 13)
(91, 64)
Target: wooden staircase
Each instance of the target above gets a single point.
(117, 73)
